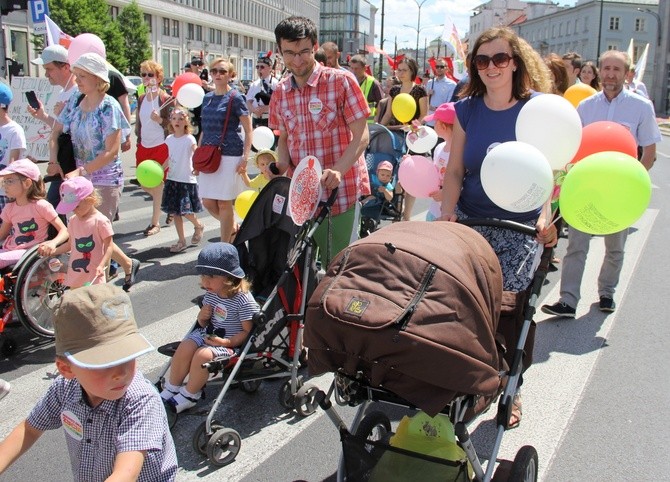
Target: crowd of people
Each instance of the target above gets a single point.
(316, 107)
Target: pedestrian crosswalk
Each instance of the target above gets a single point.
(565, 354)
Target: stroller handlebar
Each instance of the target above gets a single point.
(499, 223)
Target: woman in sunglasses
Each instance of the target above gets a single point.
(151, 128)
(224, 115)
(505, 72)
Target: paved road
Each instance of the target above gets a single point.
(593, 401)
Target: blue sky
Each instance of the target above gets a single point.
(433, 13)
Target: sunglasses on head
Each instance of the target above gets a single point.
(215, 71)
(440, 66)
(261, 66)
(500, 60)
(147, 74)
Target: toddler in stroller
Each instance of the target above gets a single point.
(224, 319)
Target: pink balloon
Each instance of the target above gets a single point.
(85, 43)
(418, 176)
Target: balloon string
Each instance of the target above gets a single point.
(555, 220)
(170, 99)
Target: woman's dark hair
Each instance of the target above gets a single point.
(522, 54)
(595, 83)
(295, 28)
(412, 64)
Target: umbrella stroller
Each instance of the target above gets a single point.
(278, 258)
(418, 323)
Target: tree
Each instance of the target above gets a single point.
(136, 33)
(81, 16)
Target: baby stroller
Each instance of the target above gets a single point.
(30, 290)
(278, 258)
(422, 323)
(383, 146)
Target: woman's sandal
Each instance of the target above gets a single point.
(151, 230)
(168, 219)
(178, 247)
(517, 412)
(197, 234)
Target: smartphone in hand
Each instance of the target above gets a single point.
(31, 97)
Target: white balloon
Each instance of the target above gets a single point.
(517, 177)
(423, 140)
(190, 95)
(263, 138)
(550, 123)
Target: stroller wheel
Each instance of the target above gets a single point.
(305, 402)
(200, 438)
(524, 467)
(250, 386)
(8, 348)
(286, 399)
(223, 446)
(375, 426)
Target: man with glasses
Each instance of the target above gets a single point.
(321, 112)
(369, 85)
(260, 92)
(440, 89)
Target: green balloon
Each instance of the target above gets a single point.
(149, 173)
(605, 193)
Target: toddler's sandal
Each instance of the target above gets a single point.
(178, 247)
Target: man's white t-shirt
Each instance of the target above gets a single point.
(12, 137)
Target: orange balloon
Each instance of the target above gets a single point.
(578, 92)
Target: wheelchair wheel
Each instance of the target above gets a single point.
(39, 286)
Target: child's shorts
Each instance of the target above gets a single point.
(198, 336)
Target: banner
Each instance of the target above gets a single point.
(641, 65)
(450, 36)
(37, 132)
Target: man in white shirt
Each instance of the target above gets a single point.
(636, 86)
(57, 71)
(260, 91)
(440, 89)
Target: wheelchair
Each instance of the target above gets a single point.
(30, 291)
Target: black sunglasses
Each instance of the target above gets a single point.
(146, 74)
(500, 60)
(440, 66)
(215, 71)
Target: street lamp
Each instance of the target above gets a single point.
(658, 23)
(418, 25)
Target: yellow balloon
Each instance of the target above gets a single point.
(578, 92)
(403, 107)
(244, 201)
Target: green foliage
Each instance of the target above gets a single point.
(136, 33)
(81, 16)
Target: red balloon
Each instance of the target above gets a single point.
(183, 79)
(605, 136)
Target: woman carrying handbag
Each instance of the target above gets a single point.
(224, 110)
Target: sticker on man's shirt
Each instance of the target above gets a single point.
(315, 106)
(220, 312)
(278, 203)
(72, 425)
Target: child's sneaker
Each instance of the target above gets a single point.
(183, 401)
(4, 388)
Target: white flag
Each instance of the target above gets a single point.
(641, 65)
(55, 36)
(631, 50)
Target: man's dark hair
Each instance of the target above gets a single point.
(295, 28)
(320, 56)
(574, 58)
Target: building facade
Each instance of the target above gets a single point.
(180, 29)
(348, 23)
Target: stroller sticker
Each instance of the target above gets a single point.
(357, 307)
(72, 425)
(278, 203)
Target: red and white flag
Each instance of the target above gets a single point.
(55, 36)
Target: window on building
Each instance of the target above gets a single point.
(248, 69)
(236, 40)
(166, 26)
(639, 25)
(637, 53)
(175, 64)
(219, 37)
(576, 25)
(113, 12)
(165, 59)
(212, 35)
(614, 23)
(198, 32)
(612, 47)
(147, 20)
(230, 39)
(259, 45)
(175, 28)
(190, 31)
(586, 24)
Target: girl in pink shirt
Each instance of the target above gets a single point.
(25, 220)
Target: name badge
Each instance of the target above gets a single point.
(315, 106)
